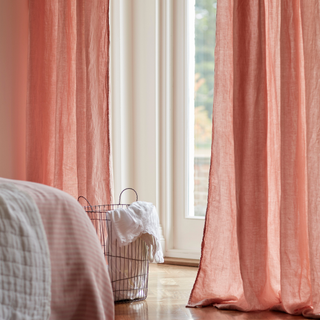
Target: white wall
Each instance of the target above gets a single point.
(134, 98)
(13, 86)
(150, 91)
(135, 101)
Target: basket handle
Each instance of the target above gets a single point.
(86, 200)
(124, 191)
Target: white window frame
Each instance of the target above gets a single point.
(148, 95)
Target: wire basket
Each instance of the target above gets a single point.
(128, 265)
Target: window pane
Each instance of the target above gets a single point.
(205, 38)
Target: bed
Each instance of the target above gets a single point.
(74, 281)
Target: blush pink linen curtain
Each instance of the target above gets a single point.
(68, 144)
(261, 243)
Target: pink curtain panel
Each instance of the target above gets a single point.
(261, 243)
(68, 142)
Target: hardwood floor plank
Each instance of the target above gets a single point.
(182, 262)
(168, 294)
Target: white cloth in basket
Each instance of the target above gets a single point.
(140, 219)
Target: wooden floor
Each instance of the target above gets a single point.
(169, 289)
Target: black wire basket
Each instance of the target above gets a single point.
(128, 265)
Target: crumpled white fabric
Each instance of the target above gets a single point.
(25, 267)
(140, 219)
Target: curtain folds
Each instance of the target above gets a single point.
(68, 143)
(261, 243)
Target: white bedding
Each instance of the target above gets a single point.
(80, 283)
(25, 275)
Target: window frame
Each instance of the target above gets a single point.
(149, 152)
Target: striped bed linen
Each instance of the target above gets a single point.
(80, 284)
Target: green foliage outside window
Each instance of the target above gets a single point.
(205, 38)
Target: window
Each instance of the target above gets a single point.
(203, 64)
(153, 74)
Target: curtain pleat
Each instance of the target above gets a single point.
(68, 143)
(310, 13)
(261, 243)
